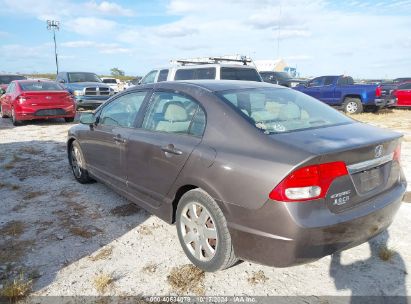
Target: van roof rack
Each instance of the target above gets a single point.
(210, 60)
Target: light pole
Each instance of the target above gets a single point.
(53, 25)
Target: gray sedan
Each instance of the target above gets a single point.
(245, 170)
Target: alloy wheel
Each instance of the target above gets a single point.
(76, 161)
(199, 231)
(351, 107)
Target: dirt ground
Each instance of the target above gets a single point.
(58, 237)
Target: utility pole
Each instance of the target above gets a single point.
(53, 25)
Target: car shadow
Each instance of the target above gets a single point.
(383, 281)
(47, 219)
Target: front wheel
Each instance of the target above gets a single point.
(77, 164)
(352, 105)
(203, 233)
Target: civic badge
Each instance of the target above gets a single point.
(378, 151)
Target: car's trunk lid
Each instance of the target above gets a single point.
(367, 151)
(56, 98)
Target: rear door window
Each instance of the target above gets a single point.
(240, 74)
(197, 73)
(162, 76)
(328, 80)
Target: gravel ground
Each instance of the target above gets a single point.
(71, 239)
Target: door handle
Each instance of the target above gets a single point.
(171, 149)
(118, 139)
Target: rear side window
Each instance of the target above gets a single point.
(174, 113)
(198, 73)
(122, 111)
(239, 74)
(346, 81)
(282, 110)
(40, 86)
(162, 76)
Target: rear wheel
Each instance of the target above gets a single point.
(77, 164)
(13, 118)
(69, 119)
(203, 233)
(352, 105)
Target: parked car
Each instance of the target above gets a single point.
(281, 78)
(246, 170)
(112, 83)
(5, 80)
(35, 99)
(87, 88)
(389, 87)
(403, 94)
(215, 69)
(340, 91)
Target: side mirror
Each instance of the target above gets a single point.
(88, 119)
(61, 81)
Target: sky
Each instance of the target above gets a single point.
(364, 39)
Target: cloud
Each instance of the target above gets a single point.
(175, 30)
(102, 48)
(91, 26)
(110, 8)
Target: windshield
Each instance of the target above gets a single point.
(40, 86)
(110, 80)
(282, 75)
(240, 74)
(276, 110)
(6, 79)
(83, 77)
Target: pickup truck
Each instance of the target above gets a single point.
(340, 91)
(88, 89)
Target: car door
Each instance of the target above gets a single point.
(313, 88)
(105, 145)
(7, 99)
(327, 90)
(172, 127)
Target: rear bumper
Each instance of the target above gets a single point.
(295, 236)
(385, 102)
(44, 112)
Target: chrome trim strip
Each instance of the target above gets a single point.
(368, 164)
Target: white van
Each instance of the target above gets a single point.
(204, 70)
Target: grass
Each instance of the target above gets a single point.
(13, 228)
(10, 186)
(257, 277)
(102, 254)
(150, 268)
(17, 289)
(385, 253)
(390, 118)
(33, 194)
(30, 150)
(83, 232)
(12, 250)
(187, 279)
(125, 210)
(102, 282)
(13, 162)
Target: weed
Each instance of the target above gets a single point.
(33, 194)
(258, 277)
(102, 282)
(13, 228)
(187, 278)
(385, 253)
(17, 289)
(125, 210)
(150, 268)
(102, 254)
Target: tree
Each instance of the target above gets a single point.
(116, 72)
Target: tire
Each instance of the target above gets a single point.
(220, 254)
(77, 164)
(69, 119)
(2, 114)
(352, 105)
(13, 118)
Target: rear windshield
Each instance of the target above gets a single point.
(240, 74)
(110, 81)
(276, 110)
(83, 77)
(199, 73)
(40, 86)
(6, 79)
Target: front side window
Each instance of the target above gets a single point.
(174, 113)
(123, 111)
(276, 110)
(149, 78)
(40, 86)
(328, 80)
(316, 82)
(240, 74)
(110, 80)
(162, 76)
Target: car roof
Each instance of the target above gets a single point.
(33, 80)
(219, 85)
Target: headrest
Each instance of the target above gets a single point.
(175, 112)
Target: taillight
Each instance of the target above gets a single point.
(397, 154)
(21, 99)
(308, 183)
(378, 92)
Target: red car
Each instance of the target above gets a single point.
(35, 99)
(403, 94)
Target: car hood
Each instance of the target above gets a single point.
(81, 85)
